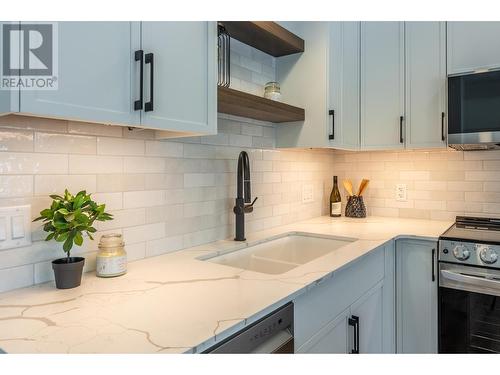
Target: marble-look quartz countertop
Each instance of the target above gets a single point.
(175, 303)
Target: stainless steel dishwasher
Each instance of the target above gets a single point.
(272, 334)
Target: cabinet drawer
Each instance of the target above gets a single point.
(315, 308)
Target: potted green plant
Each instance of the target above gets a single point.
(66, 220)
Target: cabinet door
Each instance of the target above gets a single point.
(369, 310)
(302, 88)
(473, 46)
(425, 84)
(382, 85)
(343, 124)
(95, 74)
(9, 99)
(416, 291)
(333, 338)
(184, 76)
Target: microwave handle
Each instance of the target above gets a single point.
(470, 280)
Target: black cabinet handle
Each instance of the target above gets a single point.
(139, 56)
(433, 264)
(331, 112)
(443, 137)
(149, 59)
(354, 322)
(401, 140)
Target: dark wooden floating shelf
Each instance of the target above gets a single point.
(240, 103)
(267, 36)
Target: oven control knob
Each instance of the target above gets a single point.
(487, 254)
(461, 252)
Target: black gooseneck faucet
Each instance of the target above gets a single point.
(243, 196)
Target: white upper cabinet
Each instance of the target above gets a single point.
(9, 99)
(96, 75)
(425, 46)
(101, 66)
(473, 46)
(183, 76)
(303, 80)
(382, 85)
(343, 82)
(325, 81)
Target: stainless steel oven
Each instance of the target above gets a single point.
(474, 111)
(469, 299)
(469, 287)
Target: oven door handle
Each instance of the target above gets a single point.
(471, 280)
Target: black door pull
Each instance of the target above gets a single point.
(401, 140)
(139, 56)
(149, 59)
(433, 264)
(443, 136)
(331, 112)
(354, 322)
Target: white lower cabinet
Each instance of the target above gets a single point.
(358, 301)
(416, 295)
(362, 321)
(369, 312)
(333, 338)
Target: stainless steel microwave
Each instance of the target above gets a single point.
(474, 111)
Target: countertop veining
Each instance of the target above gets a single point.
(175, 303)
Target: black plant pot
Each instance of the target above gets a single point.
(68, 272)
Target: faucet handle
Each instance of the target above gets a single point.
(249, 207)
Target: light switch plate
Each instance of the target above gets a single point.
(401, 193)
(15, 223)
(307, 193)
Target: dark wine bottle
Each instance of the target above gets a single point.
(335, 200)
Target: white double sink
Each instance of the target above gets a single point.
(279, 254)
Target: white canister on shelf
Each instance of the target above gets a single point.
(111, 257)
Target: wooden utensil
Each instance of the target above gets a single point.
(362, 186)
(348, 186)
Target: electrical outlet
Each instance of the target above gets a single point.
(307, 193)
(401, 192)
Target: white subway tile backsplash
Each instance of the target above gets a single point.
(163, 245)
(120, 182)
(30, 163)
(92, 164)
(51, 184)
(17, 277)
(164, 148)
(144, 165)
(441, 184)
(113, 201)
(199, 179)
(124, 218)
(65, 143)
(147, 198)
(120, 146)
(16, 140)
(238, 140)
(16, 186)
(143, 233)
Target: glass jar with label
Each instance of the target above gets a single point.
(111, 257)
(272, 91)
